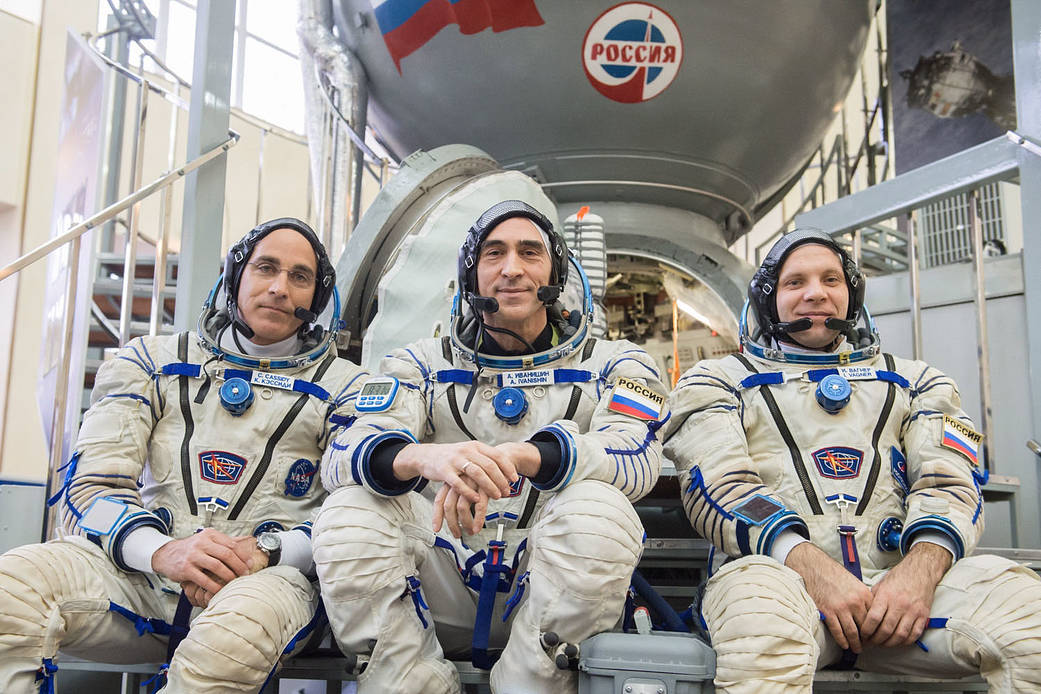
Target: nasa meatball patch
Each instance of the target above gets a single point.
(632, 398)
(300, 477)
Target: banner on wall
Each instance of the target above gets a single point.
(81, 139)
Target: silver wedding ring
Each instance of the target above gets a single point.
(466, 466)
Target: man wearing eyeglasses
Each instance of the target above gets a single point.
(188, 497)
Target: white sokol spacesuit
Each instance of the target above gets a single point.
(170, 445)
(556, 555)
(863, 454)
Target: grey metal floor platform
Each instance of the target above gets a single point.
(332, 671)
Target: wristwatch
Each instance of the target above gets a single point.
(271, 545)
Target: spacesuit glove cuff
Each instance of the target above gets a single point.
(555, 433)
(940, 525)
(365, 455)
(140, 544)
(785, 521)
(937, 539)
(381, 467)
(296, 551)
(784, 543)
(549, 458)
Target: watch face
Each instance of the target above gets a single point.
(269, 542)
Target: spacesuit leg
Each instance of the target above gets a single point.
(57, 595)
(583, 548)
(236, 642)
(366, 550)
(765, 628)
(993, 628)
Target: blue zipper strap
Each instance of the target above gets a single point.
(158, 680)
(413, 589)
(460, 376)
(770, 378)
(850, 556)
(518, 595)
(180, 626)
(493, 567)
(45, 676)
(182, 369)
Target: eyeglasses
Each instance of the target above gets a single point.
(301, 279)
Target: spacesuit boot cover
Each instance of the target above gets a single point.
(762, 447)
(160, 448)
(577, 534)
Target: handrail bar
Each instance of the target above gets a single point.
(180, 103)
(173, 98)
(357, 139)
(117, 207)
(994, 160)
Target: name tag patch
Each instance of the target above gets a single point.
(838, 462)
(265, 378)
(632, 398)
(857, 373)
(221, 467)
(960, 437)
(521, 379)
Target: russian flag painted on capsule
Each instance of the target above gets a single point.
(408, 24)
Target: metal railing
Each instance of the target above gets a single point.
(966, 172)
(380, 168)
(842, 163)
(73, 239)
(73, 236)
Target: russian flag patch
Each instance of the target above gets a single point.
(960, 437)
(632, 398)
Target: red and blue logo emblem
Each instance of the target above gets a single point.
(632, 52)
(221, 467)
(898, 468)
(838, 463)
(516, 487)
(300, 477)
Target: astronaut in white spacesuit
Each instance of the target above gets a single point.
(843, 485)
(192, 484)
(536, 438)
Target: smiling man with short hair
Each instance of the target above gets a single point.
(840, 488)
(536, 438)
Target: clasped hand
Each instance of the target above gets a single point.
(472, 473)
(894, 612)
(205, 562)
